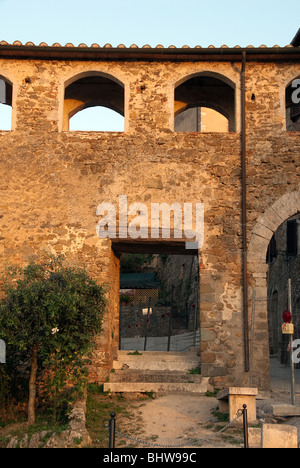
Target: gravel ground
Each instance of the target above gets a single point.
(184, 421)
(192, 421)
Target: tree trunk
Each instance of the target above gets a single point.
(32, 386)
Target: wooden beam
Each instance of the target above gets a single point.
(152, 247)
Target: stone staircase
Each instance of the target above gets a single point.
(158, 372)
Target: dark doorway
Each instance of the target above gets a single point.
(159, 297)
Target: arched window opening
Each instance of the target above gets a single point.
(205, 103)
(5, 104)
(292, 105)
(93, 95)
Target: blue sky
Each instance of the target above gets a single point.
(166, 22)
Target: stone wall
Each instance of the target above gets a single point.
(179, 277)
(133, 321)
(75, 436)
(52, 182)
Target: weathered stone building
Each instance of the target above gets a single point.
(52, 179)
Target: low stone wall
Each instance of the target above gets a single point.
(76, 436)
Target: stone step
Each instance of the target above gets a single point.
(156, 371)
(153, 376)
(168, 354)
(158, 387)
(156, 360)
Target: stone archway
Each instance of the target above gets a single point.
(266, 225)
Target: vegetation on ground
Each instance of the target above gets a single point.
(99, 407)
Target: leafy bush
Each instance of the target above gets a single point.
(51, 313)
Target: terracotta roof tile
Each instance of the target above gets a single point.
(135, 46)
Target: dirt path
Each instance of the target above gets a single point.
(186, 420)
(183, 421)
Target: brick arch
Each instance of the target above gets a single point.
(91, 72)
(207, 73)
(266, 225)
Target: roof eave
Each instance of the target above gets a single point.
(288, 53)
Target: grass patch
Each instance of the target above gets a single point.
(195, 371)
(233, 439)
(99, 407)
(222, 417)
(213, 394)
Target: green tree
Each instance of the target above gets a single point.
(53, 313)
(130, 263)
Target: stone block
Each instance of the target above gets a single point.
(270, 219)
(279, 436)
(281, 209)
(208, 334)
(285, 410)
(208, 357)
(259, 243)
(232, 399)
(263, 231)
(210, 370)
